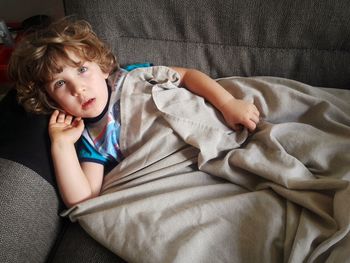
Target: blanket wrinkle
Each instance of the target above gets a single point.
(196, 128)
(204, 193)
(256, 159)
(127, 177)
(308, 200)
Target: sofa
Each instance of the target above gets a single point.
(306, 41)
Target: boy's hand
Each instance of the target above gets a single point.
(65, 128)
(239, 112)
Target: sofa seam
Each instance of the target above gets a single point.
(223, 45)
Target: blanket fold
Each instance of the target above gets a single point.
(192, 190)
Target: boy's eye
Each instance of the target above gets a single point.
(59, 83)
(82, 69)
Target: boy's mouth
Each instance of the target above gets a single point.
(88, 103)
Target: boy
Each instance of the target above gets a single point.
(63, 70)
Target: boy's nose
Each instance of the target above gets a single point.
(78, 89)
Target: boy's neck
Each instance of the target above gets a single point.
(103, 113)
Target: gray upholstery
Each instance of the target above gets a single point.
(77, 247)
(29, 214)
(302, 40)
(307, 41)
(31, 228)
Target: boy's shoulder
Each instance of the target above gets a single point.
(121, 72)
(131, 67)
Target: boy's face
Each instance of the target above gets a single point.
(80, 91)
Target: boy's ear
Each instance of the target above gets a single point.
(105, 75)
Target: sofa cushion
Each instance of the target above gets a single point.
(301, 40)
(29, 217)
(77, 246)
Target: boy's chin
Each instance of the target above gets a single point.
(94, 115)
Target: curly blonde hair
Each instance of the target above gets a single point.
(35, 60)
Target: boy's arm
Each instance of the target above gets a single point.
(76, 183)
(236, 112)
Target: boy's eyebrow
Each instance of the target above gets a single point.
(49, 82)
(52, 78)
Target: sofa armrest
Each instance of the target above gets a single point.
(29, 218)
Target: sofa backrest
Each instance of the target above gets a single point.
(307, 41)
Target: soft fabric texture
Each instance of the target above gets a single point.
(301, 40)
(29, 214)
(192, 190)
(75, 246)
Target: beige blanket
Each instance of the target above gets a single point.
(192, 190)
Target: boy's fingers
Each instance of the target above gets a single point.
(61, 117)
(255, 118)
(78, 122)
(53, 118)
(251, 126)
(81, 124)
(68, 119)
(257, 113)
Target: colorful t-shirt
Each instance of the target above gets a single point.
(100, 139)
